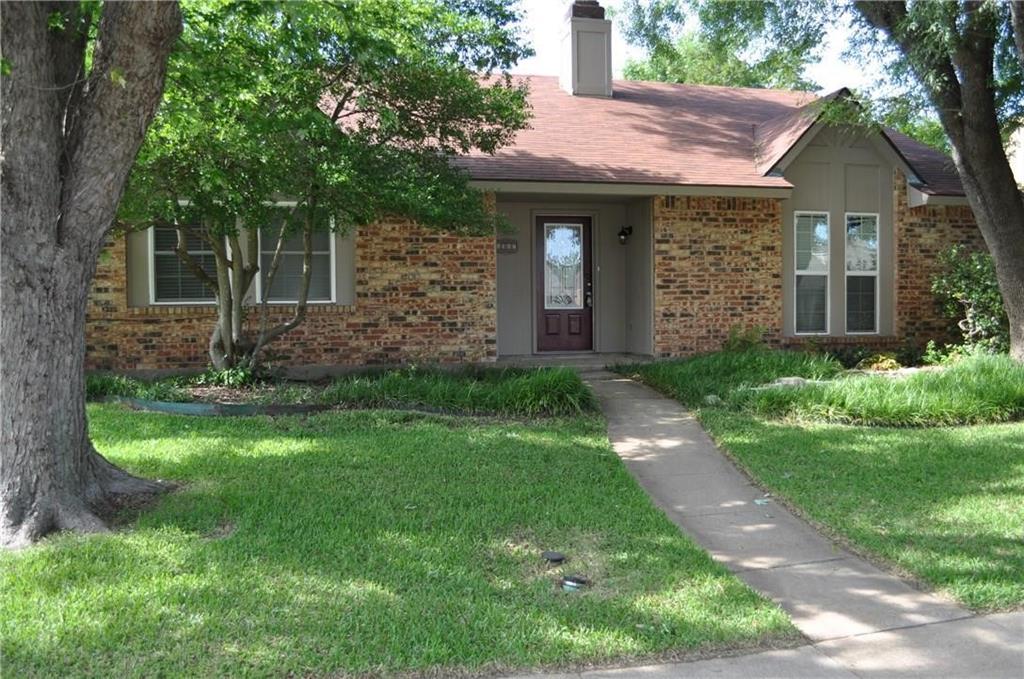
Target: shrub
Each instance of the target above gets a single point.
(968, 290)
(745, 339)
(879, 362)
(228, 377)
(850, 356)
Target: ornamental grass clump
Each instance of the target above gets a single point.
(982, 388)
(551, 392)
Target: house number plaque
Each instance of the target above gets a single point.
(508, 246)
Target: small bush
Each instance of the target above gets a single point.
(236, 377)
(980, 388)
(968, 290)
(512, 392)
(745, 339)
(692, 380)
(879, 362)
(850, 356)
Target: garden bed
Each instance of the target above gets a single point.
(502, 392)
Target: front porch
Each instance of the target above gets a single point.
(582, 361)
(575, 279)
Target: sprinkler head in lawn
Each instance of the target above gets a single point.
(573, 583)
(553, 557)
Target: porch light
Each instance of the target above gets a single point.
(624, 234)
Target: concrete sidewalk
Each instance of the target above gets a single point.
(862, 620)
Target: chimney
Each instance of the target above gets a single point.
(587, 50)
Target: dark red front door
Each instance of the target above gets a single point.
(565, 293)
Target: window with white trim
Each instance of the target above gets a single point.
(171, 279)
(812, 255)
(861, 273)
(288, 279)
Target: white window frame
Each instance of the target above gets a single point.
(870, 274)
(151, 247)
(331, 250)
(827, 273)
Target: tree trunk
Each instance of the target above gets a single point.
(959, 86)
(67, 148)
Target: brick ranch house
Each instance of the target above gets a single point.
(647, 219)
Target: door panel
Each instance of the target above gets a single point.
(565, 292)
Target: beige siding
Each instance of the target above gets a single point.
(621, 291)
(838, 173)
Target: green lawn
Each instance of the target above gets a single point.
(943, 504)
(368, 542)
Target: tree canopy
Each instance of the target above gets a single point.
(350, 110)
(679, 52)
(361, 100)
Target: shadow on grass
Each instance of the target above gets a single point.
(945, 504)
(368, 542)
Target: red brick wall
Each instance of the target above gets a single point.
(718, 264)
(922, 234)
(421, 296)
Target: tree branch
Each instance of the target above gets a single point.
(124, 87)
(1017, 25)
(181, 249)
(266, 336)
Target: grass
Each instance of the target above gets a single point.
(557, 392)
(364, 543)
(942, 504)
(109, 385)
(945, 505)
(976, 390)
(508, 392)
(691, 381)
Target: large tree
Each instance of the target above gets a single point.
(966, 57)
(79, 87)
(678, 52)
(347, 110)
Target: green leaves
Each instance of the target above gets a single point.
(359, 103)
(968, 290)
(740, 44)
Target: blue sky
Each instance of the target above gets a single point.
(544, 20)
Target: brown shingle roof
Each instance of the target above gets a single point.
(934, 168)
(774, 137)
(647, 133)
(660, 133)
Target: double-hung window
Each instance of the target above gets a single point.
(812, 275)
(288, 280)
(171, 280)
(861, 273)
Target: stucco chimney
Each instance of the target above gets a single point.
(587, 50)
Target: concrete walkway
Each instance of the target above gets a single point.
(862, 621)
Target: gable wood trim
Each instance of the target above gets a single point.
(610, 189)
(917, 198)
